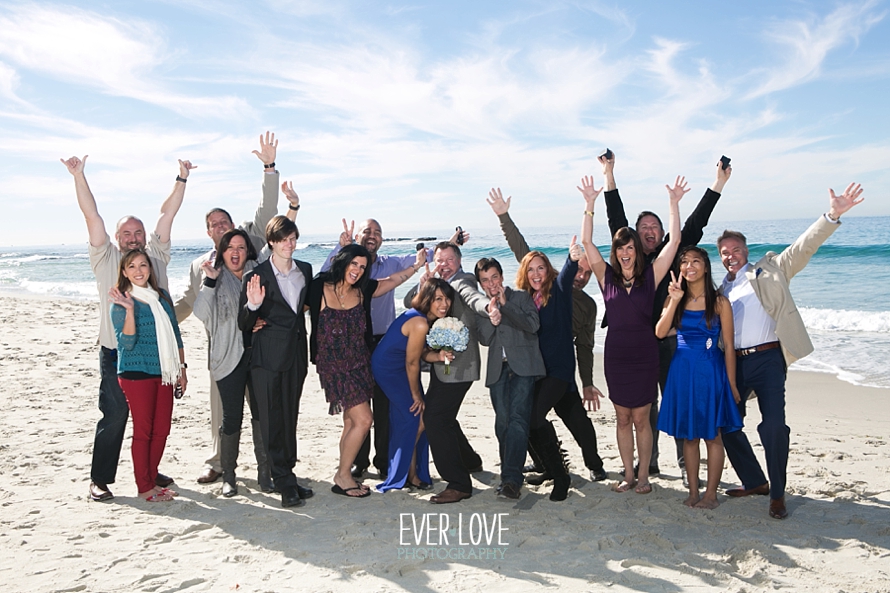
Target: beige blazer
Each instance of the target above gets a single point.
(770, 277)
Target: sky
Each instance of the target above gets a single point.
(410, 112)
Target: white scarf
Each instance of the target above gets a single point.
(168, 350)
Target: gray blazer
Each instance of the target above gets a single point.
(516, 336)
(467, 303)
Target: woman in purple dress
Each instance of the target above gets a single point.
(631, 353)
(339, 303)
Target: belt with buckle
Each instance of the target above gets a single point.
(758, 348)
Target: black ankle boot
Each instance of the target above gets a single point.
(228, 459)
(546, 445)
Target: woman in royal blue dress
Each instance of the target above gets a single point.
(700, 396)
(396, 367)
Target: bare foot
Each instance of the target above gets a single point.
(692, 499)
(623, 486)
(643, 488)
(708, 502)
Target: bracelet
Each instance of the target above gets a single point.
(588, 213)
(292, 207)
(182, 365)
(270, 165)
(828, 216)
(182, 179)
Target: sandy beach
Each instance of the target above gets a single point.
(53, 539)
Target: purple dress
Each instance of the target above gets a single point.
(631, 352)
(343, 362)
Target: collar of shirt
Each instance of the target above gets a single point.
(740, 275)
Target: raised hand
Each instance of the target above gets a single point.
(185, 167)
(268, 148)
(347, 237)
(287, 188)
(255, 291)
(679, 190)
(465, 236)
(723, 175)
(209, 270)
(74, 164)
(420, 260)
(575, 250)
(120, 298)
(427, 274)
(497, 202)
(675, 288)
(608, 164)
(845, 201)
(589, 191)
(494, 312)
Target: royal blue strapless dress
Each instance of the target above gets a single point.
(697, 400)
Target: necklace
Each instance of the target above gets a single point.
(339, 297)
(695, 298)
(628, 283)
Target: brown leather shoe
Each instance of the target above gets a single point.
(209, 476)
(777, 508)
(100, 492)
(761, 490)
(449, 495)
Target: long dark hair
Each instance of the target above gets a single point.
(124, 284)
(340, 264)
(710, 290)
(227, 239)
(423, 300)
(622, 237)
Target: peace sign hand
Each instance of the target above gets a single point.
(347, 236)
(675, 288)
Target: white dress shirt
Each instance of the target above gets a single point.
(753, 325)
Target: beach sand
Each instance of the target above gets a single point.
(53, 539)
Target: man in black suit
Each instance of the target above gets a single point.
(275, 292)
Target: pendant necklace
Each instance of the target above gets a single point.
(339, 298)
(695, 299)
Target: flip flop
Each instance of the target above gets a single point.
(643, 488)
(623, 486)
(346, 491)
(159, 497)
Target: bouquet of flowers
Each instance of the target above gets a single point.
(448, 333)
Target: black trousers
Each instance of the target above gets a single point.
(666, 349)
(380, 408)
(278, 404)
(570, 408)
(231, 394)
(452, 453)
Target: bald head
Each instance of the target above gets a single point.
(130, 234)
(370, 236)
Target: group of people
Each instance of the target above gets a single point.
(669, 328)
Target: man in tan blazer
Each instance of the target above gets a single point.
(770, 335)
(218, 223)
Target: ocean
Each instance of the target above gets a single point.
(839, 293)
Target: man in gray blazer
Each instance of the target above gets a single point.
(769, 336)
(514, 362)
(455, 459)
(218, 223)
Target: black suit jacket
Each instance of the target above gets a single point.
(282, 342)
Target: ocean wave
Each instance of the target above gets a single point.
(840, 320)
(70, 290)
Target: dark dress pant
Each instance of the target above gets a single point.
(231, 394)
(570, 408)
(764, 373)
(451, 451)
(380, 409)
(278, 404)
(110, 428)
(666, 349)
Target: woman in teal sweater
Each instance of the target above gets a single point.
(151, 362)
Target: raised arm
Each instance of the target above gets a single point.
(666, 321)
(694, 227)
(268, 207)
(515, 240)
(796, 256)
(665, 259)
(293, 201)
(594, 257)
(173, 202)
(615, 214)
(384, 285)
(86, 201)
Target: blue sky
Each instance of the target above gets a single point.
(411, 112)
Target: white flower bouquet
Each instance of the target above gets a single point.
(448, 333)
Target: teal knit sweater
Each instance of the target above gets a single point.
(139, 352)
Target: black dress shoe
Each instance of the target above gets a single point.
(761, 490)
(163, 481)
(777, 508)
(290, 497)
(654, 470)
(100, 492)
(305, 492)
(510, 491)
(358, 472)
(531, 468)
(598, 475)
(539, 479)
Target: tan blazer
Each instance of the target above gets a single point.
(770, 277)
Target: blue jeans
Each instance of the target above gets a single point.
(512, 397)
(110, 429)
(764, 373)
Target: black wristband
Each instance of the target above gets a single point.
(182, 179)
(209, 282)
(292, 207)
(270, 165)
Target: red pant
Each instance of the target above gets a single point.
(151, 405)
